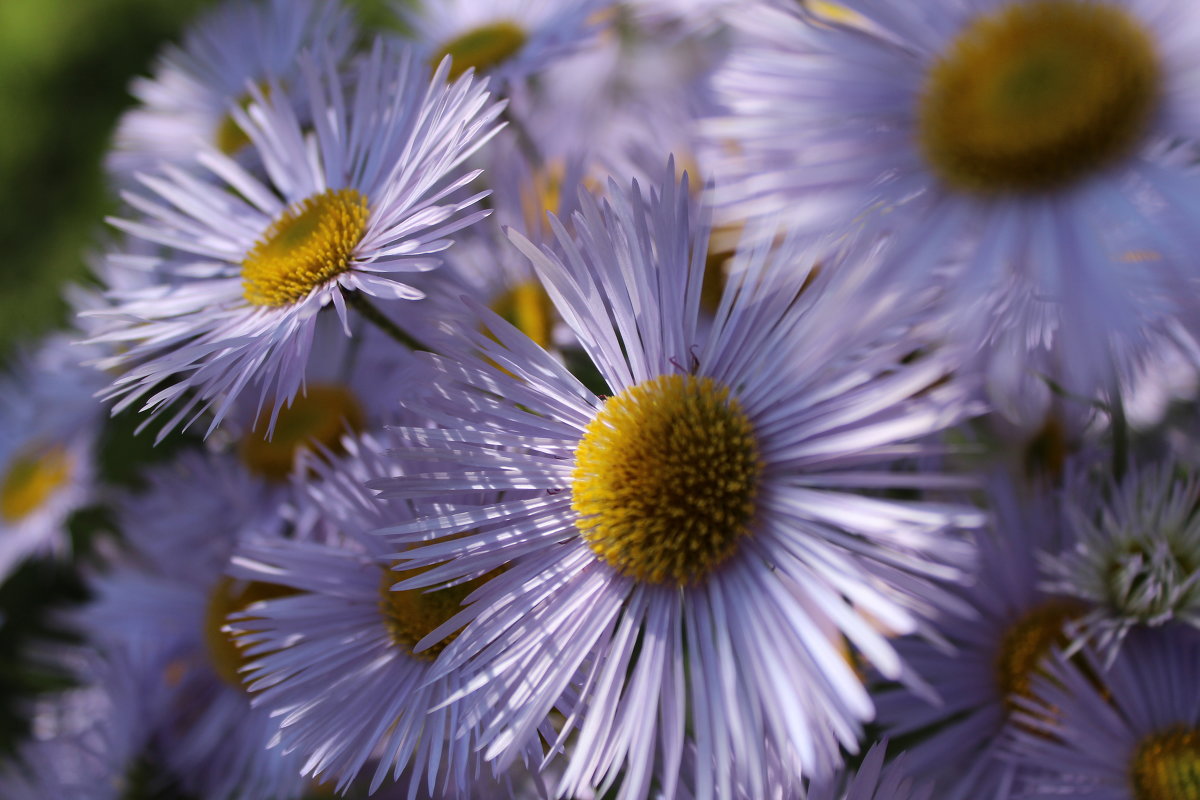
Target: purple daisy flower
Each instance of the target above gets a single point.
(1032, 155)
(187, 104)
(334, 664)
(1130, 731)
(714, 498)
(346, 212)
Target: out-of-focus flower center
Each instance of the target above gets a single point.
(665, 479)
(1037, 95)
(230, 596)
(1027, 642)
(1166, 766)
(229, 136)
(483, 48)
(412, 614)
(32, 477)
(319, 417)
(528, 308)
(310, 243)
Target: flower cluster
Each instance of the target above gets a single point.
(632, 399)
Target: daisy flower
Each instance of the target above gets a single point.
(334, 664)
(1031, 148)
(170, 596)
(49, 423)
(988, 652)
(1128, 732)
(506, 40)
(345, 213)
(187, 104)
(713, 498)
(1136, 553)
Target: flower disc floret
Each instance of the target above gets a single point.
(32, 477)
(1027, 642)
(1166, 766)
(310, 243)
(665, 479)
(482, 48)
(230, 596)
(412, 614)
(1037, 95)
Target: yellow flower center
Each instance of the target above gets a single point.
(412, 614)
(483, 48)
(318, 417)
(311, 242)
(1026, 643)
(1166, 766)
(528, 308)
(665, 479)
(229, 596)
(1038, 94)
(33, 476)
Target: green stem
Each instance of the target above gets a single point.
(359, 302)
(1120, 432)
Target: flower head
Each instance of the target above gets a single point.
(709, 496)
(345, 213)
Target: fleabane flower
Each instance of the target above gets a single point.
(1036, 149)
(874, 781)
(335, 664)
(346, 211)
(1128, 731)
(990, 650)
(49, 424)
(710, 496)
(1135, 559)
(504, 40)
(187, 103)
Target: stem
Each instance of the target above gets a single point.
(525, 141)
(1120, 431)
(359, 302)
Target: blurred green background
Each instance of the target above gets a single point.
(65, 66)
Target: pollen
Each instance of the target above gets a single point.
(1166, 766)
(412, 614)
(312, 242)
(230, 596)
(483, 48)
(1026, 643)
(1037, 95)
(319, 417)
(33, 476)
(665, 479)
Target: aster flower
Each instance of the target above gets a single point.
(1030, 149)
(1130, 731)
(334, 664)
(187, 103)
(711, 498)
(1136, 553)
(49, 424)
(170, 597)
(505, 40)
(345, 213)
(990, 650)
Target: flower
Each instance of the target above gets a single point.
(1031, 156)
(1136, 553)
(1128, 732)
(873, 781)
(188, 102)
(49, 424)
(169, 597)
(989, 650)
(712, 498)
(334, 664)
(345, 214)
(506, 40)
